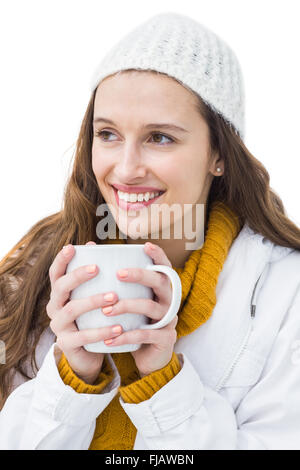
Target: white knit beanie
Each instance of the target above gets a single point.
(182, 48)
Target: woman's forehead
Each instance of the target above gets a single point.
(145, 96)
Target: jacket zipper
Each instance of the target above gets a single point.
(237, 357)
(253, 302)
(245, 341)
(252, 305)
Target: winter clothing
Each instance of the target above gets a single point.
(184, 49)
(114, 430)
(238, 385)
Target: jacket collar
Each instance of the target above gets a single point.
(214, 346)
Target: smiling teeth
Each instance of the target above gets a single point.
(133, 197)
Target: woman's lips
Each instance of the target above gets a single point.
(127, 206)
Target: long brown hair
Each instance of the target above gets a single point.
(24, 279)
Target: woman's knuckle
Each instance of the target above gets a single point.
(162, 281)
(174, 336)
(58, 287)
(155, 309)
(49, 310)
(159, 310)
(121, 305)
(95, 301)
(83, 336)
(138, 335)
(51, 272)
(68, 309)
(77, 275)
(52, 325)
(60, 340)
(151, 335)
(137, 274)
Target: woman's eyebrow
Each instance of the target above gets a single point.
(162, 125)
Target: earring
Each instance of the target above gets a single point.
(218, 170)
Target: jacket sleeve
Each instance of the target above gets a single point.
(44, 413)
(186, 414)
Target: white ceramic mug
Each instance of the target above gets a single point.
(110, 258)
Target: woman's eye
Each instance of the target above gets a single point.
(101, 133)
(154, 136)
(162, 135)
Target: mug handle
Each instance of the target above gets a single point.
(176, 296)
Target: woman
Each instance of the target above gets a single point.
(224, 373)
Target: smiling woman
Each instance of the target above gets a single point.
(131, 158)
(164, 126)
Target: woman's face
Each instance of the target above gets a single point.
(136, 151)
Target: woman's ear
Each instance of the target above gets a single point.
(216, 165)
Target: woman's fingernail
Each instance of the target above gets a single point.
(152, 247)
(106, 310)
(117, 329)
(108, 341)
(91, 268)
(108, 296)
(123, 273)
(67, 249)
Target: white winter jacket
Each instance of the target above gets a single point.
(238, 388)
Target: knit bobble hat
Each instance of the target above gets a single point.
(182, 48)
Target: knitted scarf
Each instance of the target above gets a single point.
(199, 277)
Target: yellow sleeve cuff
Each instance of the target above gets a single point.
(144, 388)
(70, 378)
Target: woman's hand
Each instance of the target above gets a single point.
(157, 345)
(63, 313)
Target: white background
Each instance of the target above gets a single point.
(49, 50)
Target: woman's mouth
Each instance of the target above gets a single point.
(135, 201)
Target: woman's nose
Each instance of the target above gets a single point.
(131, 164)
